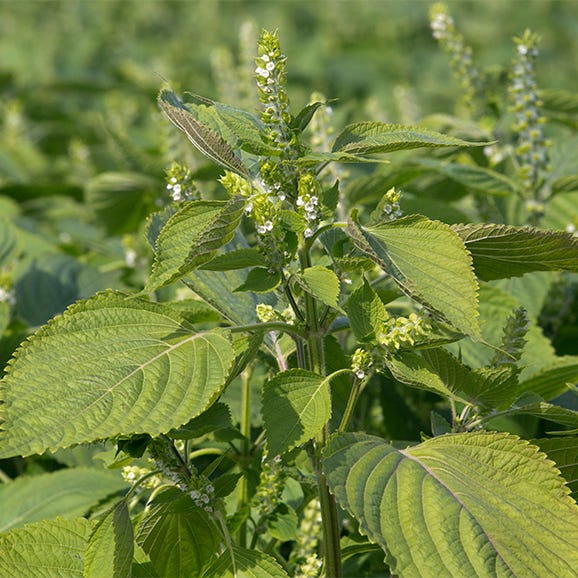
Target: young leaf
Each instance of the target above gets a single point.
(501, 251)
(322, 283)
(110, 548)
(47, 548)
(296, 406)
(68, 493)
(179, 537)
(205, 140)
(138, 367)
(378, 137)
(366, 312)
(248, 564)
(480, 504)
(191, 237)
(429, 262)
(305, 115)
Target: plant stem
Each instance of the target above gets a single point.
(352, 400)
(245, 428)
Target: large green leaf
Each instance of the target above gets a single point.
(110, 548)
(45, 549)
(68, 493)
(296, 406)
(480, 504)
(501, 251)
(205, 140)
(109, 365)
(552, 380)
(180, 538)
(429, 262)
(377, 137)
(247, 564)
(191, 237)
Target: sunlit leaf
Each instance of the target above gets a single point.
(480, 504)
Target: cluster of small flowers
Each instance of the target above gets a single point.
(360, 362)
(403, 331)
(390, 204)
(308, 202)
(308, 563)
(271, 81)
(266, 313)
(461, 61)
(202, 493)
(131, 474)
(263, 212)
(532, 149)
(271, 485)
(180, 183)
(513, 340)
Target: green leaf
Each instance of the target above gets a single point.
(305, 115)
(138, 367)
(216, 417)
(564, 451)
(205, 140)
(411, 368)
(110, 548)
(429, 262)
(247, 564)
(260, 280)
(179, 537)
(296, 406)
(472, 177)
(191, 237)
(378, 137)
(501, 251)
(237, 259)
(322, 283)
(367, 313)
(47, 548)
(530, 404)
(68, 493)
(282, 524)
(121, 200)
(480, 504)
(552, 380)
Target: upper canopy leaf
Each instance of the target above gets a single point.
(501, 251)
(480, 504)
(108, 366)
(378, 137)
(429, 262)
(205, 140)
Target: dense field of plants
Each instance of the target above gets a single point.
(288, 289)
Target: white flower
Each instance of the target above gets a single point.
(308, 233)
(262, 72)
(270, 66)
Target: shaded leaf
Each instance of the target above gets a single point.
(179, 537)
(238, 259)
(480, 504)
(216, 417)
(68, 493)
(552, 380)
(501, 251)
(564, 451)
(260, 280)
(9, 243)
(110, 548)
(138, 367)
